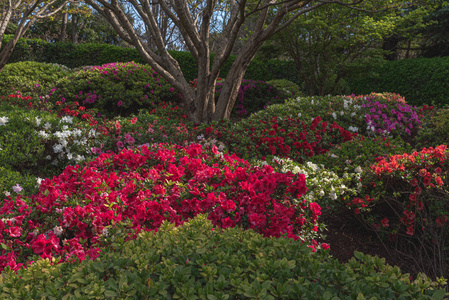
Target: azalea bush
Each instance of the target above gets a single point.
(72, 214)
(285, 137)
(30, 78)
(361, 152)
(404, 199)
(323, 186)
(115, 88)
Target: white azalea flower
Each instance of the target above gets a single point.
(47, 126)
(38, 121)
(3, 121)
(57, 148)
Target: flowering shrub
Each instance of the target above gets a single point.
(284, 137)
(72, 214)
(405, 198)
(360, 151)
(115, 88)
(384, 119)
(323, 186)
(30, 78)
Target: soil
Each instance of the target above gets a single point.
(345, 234)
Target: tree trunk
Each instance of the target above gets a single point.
(5, 54)
(63, 28)
(74, 29)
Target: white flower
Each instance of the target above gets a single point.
(57, 148)
(58, 230)
(66, 119)
(69, 156)
(353, 129)
(48, 157)
(312, 166)
(334, 156)
(38, 121)
(358, 169)
(3, 121)
(334, 115)
(299, 115)
(342, 113)
(7, 194)
(39, 181)
(79, 158)
(43, 134)
(200, 137)
(105, 232)
(333, 196)
(47, 126)
(64, 143)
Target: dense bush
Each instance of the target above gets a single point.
(291, 88)
(360, 152)
(197, 261)
(30, 78)
(405, 201)
(115, 89)
(419, 80)
(434, 128)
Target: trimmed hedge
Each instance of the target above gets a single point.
(419, 80)
(73, 56)
(197, 261)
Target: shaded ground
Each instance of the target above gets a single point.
(346, 235)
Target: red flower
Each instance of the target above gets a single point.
(384, 222)
(410, 230)
(208, 130)
(438, 170)
(15, 231)
(412, 197)
(414, 182)
(325, 246)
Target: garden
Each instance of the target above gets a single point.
(109, 191)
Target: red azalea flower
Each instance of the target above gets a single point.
(410, 230)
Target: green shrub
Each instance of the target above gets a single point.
(10, 178)
(419, 80)
(286, 86)
(41, 144)
(196, 261)
(434, 129)
(73, 56)
(362, 151)
(115, 89)
(30, 78)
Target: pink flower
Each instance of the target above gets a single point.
(17, 188)
(120, 103)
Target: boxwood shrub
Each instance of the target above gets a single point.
(419, 80)
(197, 261)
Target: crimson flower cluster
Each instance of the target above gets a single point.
(72, 214)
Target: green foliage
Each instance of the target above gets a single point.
(10, 178)
(403, 77)
(29, 139)
(287, 86)
(362, 151)
(197, 261)
(30, 78)
(73, 56)
(115, 89)
(435, 129)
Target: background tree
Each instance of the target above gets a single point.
(193, 19)
(25, 12)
